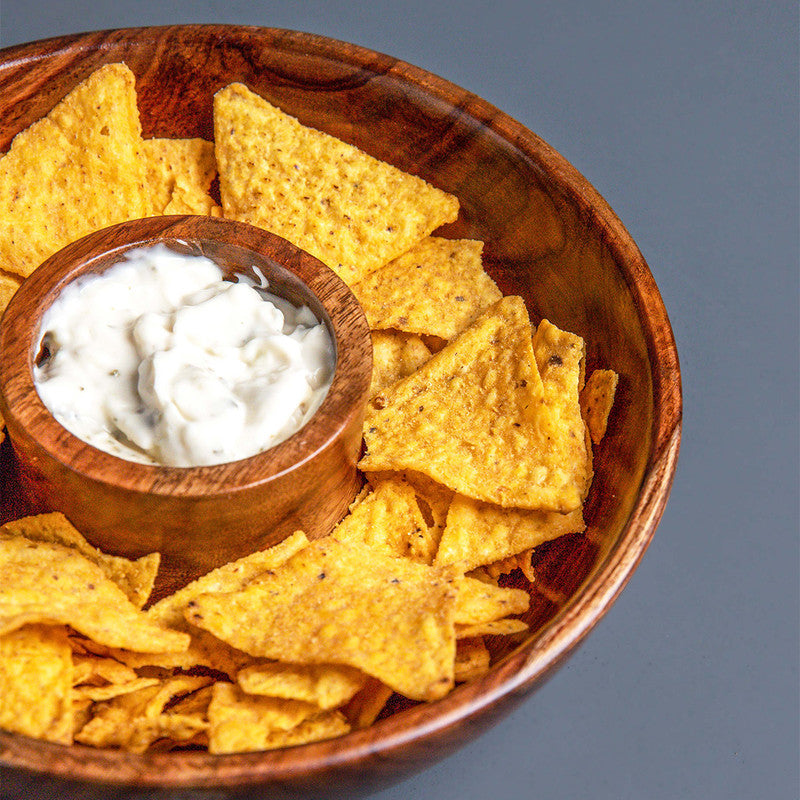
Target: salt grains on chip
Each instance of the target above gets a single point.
(350, 210)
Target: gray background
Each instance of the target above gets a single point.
(684, 115)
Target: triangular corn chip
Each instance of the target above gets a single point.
(597, 398)
(135, 578)
(324, 685)
(475, 418)
(179, 173)
(334, 603)
(36, 683)
(350, 210)
(395, 355)
(242, 723)
(53, 584)
(388, 519)
(438, 287)
(479, 533)
(75, 171)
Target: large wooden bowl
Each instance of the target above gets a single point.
(549, 237)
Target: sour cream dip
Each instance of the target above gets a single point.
(160, 360)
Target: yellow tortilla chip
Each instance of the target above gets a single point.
(169, 611)
(498, 627)
(99, 670)
(395, 355)
(478, 601)
(348, 209)
(135, 578)
(53, 584)
(135, 720)
(77, 170)
(323, 685)
(329, 604)
(438, 287)
(560, 356)
(476, 419)
(597, 399)
(365, 706)
(479, 533)
(472, 659)
(242, 723)
(179, 173)
(36, 683)
(505, 566)
(388, 519)
(8, 286)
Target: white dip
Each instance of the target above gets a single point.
(159, 360)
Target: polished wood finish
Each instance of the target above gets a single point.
(549, 237)
(202, 517)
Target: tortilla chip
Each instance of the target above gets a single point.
(388, 519)
(135, 720)
(560, 356)
(478, 601)
(324, 685)
(480, 533)
(99, 693)
(348, 209)
(498, 627)
(179, 173)
(330, 603)
(242, 723)
(476, 419)
(520, 561)
(8, 286)
(169, 611)
(50, 583)
(365, 706)
(135, 578)
(596, 400)
(77, 170)
(36, 683)
(438, 287)
(99, 670)
(472, 659)
(395, 355)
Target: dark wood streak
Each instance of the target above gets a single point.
(548, 235)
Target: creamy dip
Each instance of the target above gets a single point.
(159, 360)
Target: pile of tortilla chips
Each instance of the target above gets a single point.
(478, 448)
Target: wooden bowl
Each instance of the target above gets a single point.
(549, 237)
(198, 518)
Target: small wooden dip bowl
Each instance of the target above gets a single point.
(197, 517)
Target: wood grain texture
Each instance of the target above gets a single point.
(549, 237)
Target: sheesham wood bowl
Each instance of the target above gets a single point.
(549, 236)
(198, 518)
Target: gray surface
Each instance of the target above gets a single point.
(685, 117)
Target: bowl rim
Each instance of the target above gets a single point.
(537, 658)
